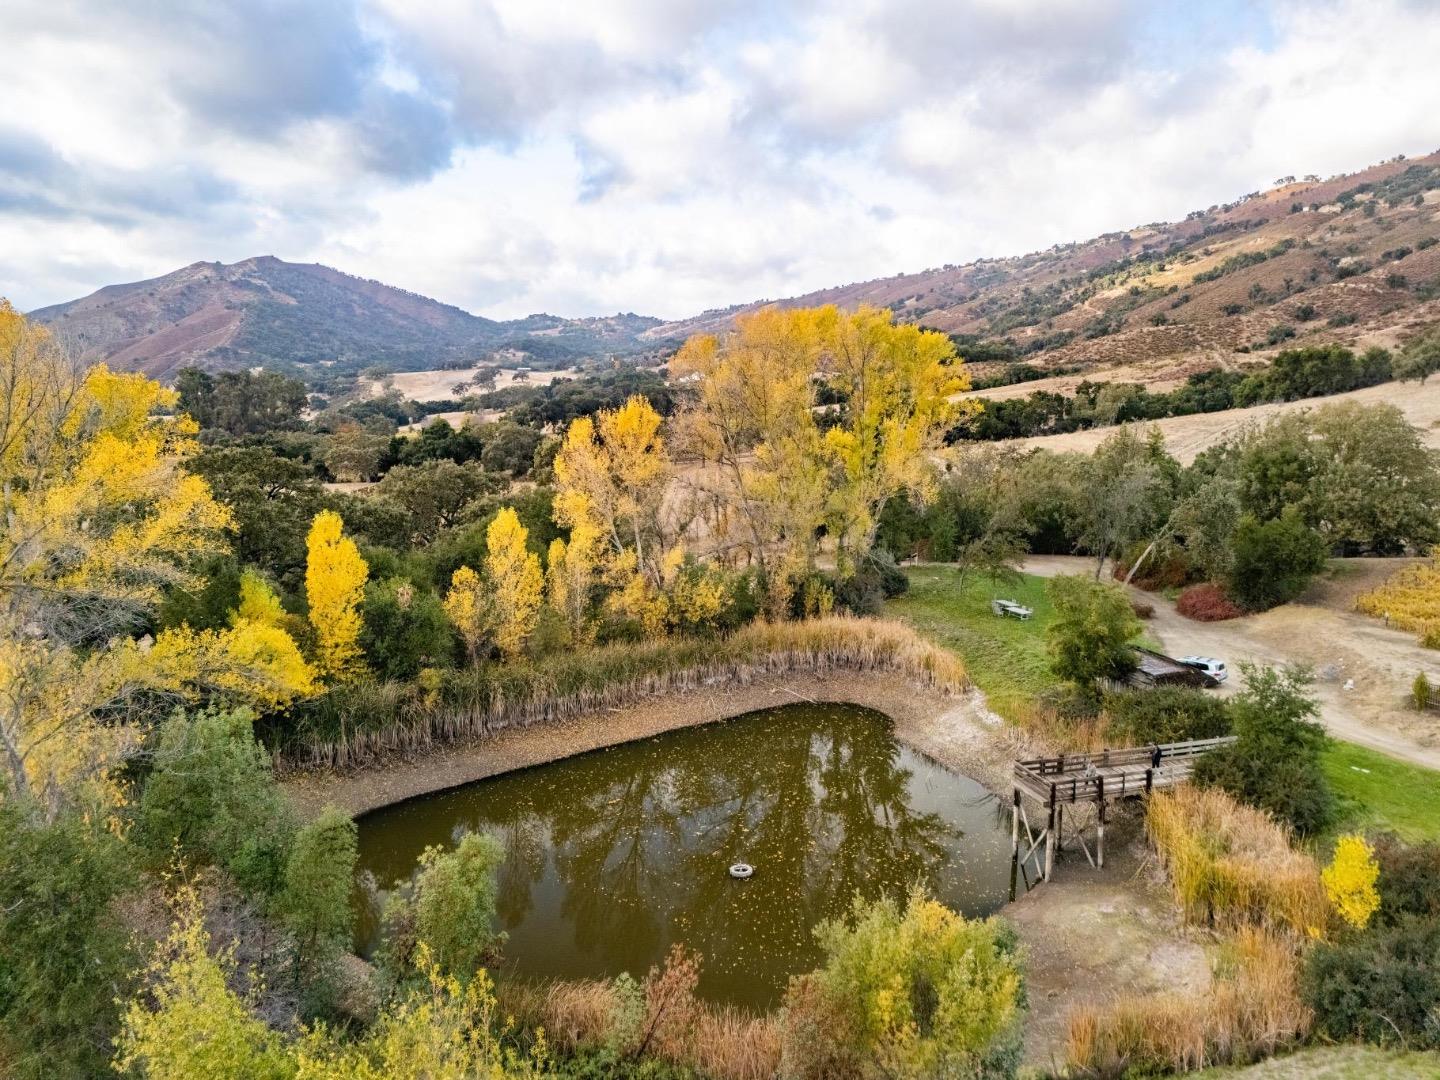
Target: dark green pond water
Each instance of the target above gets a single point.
(614, 855)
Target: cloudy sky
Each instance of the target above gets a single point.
(665, 156)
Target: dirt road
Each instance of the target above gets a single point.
(1340, 647)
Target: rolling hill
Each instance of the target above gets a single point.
(1352, 259)
(267, 312)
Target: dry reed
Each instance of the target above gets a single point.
(1250, 1011)
(720, 1042)
(1231, 864)
(1060, 731)
(732, 1045)
(362, 724)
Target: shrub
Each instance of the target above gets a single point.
(448, 910)
(1207, 603)
(315, 901)
(667, 1009)
(1231, 864)
(1420, 692)
(189, 1023)
(1408, 873)
(1274, 764)
(212, 798)
(1089, 638)
(1382, 986)
(1350, 879)
(64, 950)
(1165, 714)
(1273, 560)
(913, 992)
(405, 630)
(1250, 1011)
(605, 1064)
(1167, 568)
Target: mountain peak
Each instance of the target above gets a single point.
(266, 311)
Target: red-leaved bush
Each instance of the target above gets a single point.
(1206, 603)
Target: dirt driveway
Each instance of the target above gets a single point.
(1339, 646)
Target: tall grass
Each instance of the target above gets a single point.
(1061, 730)
(719, 1042)
(362, 723)
(1250, 1011)
(1231, 864)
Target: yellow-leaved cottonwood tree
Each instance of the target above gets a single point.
(335, 574)
(755, 424)
(570, 577)
(516, 581)
(610, 475)
(98, 518)
(468, 607)
(897, 382)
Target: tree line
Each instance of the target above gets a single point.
(1293, 375)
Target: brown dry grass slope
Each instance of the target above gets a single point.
(1300, 255)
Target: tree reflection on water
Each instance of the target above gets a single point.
(613, 855)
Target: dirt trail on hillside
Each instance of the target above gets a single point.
(1338, 645)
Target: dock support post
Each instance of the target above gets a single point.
(1014, 844)
(1059, 831)
(1015, 822)
(1050, 837)
(1100, 830)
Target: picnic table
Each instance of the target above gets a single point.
(1010, 608)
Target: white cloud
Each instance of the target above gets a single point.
(666, 156)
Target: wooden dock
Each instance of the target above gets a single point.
(1093, 779)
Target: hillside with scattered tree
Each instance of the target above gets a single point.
(1349, 260)
(293, 316)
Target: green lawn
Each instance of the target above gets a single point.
(1380, 792)
(1008, 661)
(1005, 657)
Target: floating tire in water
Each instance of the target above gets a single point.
(741, 870)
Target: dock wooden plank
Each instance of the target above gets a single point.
(1111, 774)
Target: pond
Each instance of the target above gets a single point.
(613, 855)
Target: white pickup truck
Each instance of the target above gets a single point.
(1208, 664)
